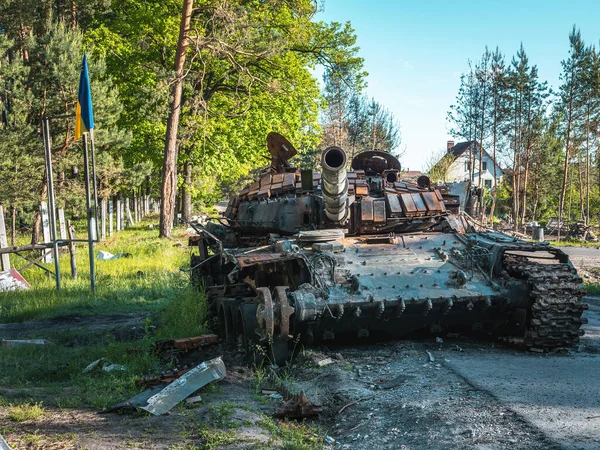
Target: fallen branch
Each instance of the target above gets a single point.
(355, 402)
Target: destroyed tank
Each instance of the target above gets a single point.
(303, 257)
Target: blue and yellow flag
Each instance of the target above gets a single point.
(84, 115)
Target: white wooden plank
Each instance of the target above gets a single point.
(110, 217)
(4, 259)
(103, 218)
(62, 224)
(118, 207)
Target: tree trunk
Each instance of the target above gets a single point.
(570, 177)
(581, 188)
(187, 195)
(587, 168)
(561, 199)
(24, 50)
(515, 174)
(525, 181)
(73, 15)
(169, 181)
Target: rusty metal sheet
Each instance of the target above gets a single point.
(277, 178)
(297, 405)
(408, 205)
(439, 195)
(431, 201)
(276, 188)
(253, 190)
(351, 176)
(265, 191)
(419, 203)
(258, 258)
(362, 191)
(379, 211)
(265, 180)
(186, 344)
(366, 210)
(394, 205)
(360, 174)
(289, 181)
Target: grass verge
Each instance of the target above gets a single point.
(149, 283)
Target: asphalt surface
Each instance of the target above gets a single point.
(581, 251)
(558, 394)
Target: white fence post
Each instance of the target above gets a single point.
(103, 218)
(118, 215)
(62, 224)
(110, 217)
(4, 259)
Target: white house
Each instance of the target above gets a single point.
(456, 165)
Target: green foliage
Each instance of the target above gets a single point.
(25, 412)
(248, 72)
(353, 121)
(185, 315)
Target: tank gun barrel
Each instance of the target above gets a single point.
(334, 183)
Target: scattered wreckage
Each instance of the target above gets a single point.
(304, 257)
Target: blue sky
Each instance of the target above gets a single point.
(416, 50)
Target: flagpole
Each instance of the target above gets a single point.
(88, 201)
(51, 199)
(95, 185)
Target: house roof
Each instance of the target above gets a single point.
(462, 147)
(412, 174)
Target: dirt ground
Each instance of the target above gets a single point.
(461, 393)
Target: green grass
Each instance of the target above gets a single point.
(592, 288)
(25, 412)
(150, 282)
(574, 243)
(294, 435)
(147, 281)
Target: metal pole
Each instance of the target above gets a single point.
(51, 202)
(88, 202)
(95, 185)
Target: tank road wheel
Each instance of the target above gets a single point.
(247, 334)
(226, 319)
(554, 314)
(273, 317)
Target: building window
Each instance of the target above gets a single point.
(467, 166)
(488, 183)
(484, 166)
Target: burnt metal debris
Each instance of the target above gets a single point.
(162, 398)
(302, 256)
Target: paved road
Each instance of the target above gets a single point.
(558, 394)
(581, 251)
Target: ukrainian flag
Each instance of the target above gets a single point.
(84, 115)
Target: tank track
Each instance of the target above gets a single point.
(554, 317)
